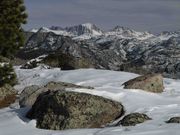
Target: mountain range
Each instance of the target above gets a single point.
(88, 30)
(118, 49)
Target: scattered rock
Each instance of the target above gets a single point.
(174, 120)
(7, 95)
(29, 95)
(62, 60)
(133, 119)
(30, 65)
(59, 110)
(150, 83)
(66, 61)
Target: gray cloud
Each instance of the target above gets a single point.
(151, 15)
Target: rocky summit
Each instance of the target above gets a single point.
(61, 110)
(118, 49)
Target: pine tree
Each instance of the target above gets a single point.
(7, 74)
(12, 16)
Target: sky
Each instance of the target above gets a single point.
(141, 15)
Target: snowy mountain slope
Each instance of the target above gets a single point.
(57, 32)
(119, 49)
(167, 35)
(160, 107)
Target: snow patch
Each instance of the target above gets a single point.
(160, 107)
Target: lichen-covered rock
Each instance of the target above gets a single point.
(133, 119)
(7, 95)
(61, 110)
(29, 95)
(174, 120)
(150, 83)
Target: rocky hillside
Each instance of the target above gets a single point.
(121, 48)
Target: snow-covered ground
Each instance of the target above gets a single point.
(160, 107)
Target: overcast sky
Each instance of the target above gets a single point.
(142, 15)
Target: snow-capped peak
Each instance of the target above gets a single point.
(124, 32)
(167, 35)
(88, 25)
(56, 28)
(121, 29)
(57, 31)
(33, 30)
(87, 28)
(44, 29)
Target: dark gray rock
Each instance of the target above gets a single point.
(174, 120)
(150, 83)
(61, 110)
(133, 119)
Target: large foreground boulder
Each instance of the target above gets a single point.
(29, 95)
(7, 95)
(61, 110)
(133, 119)
(150, 83)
